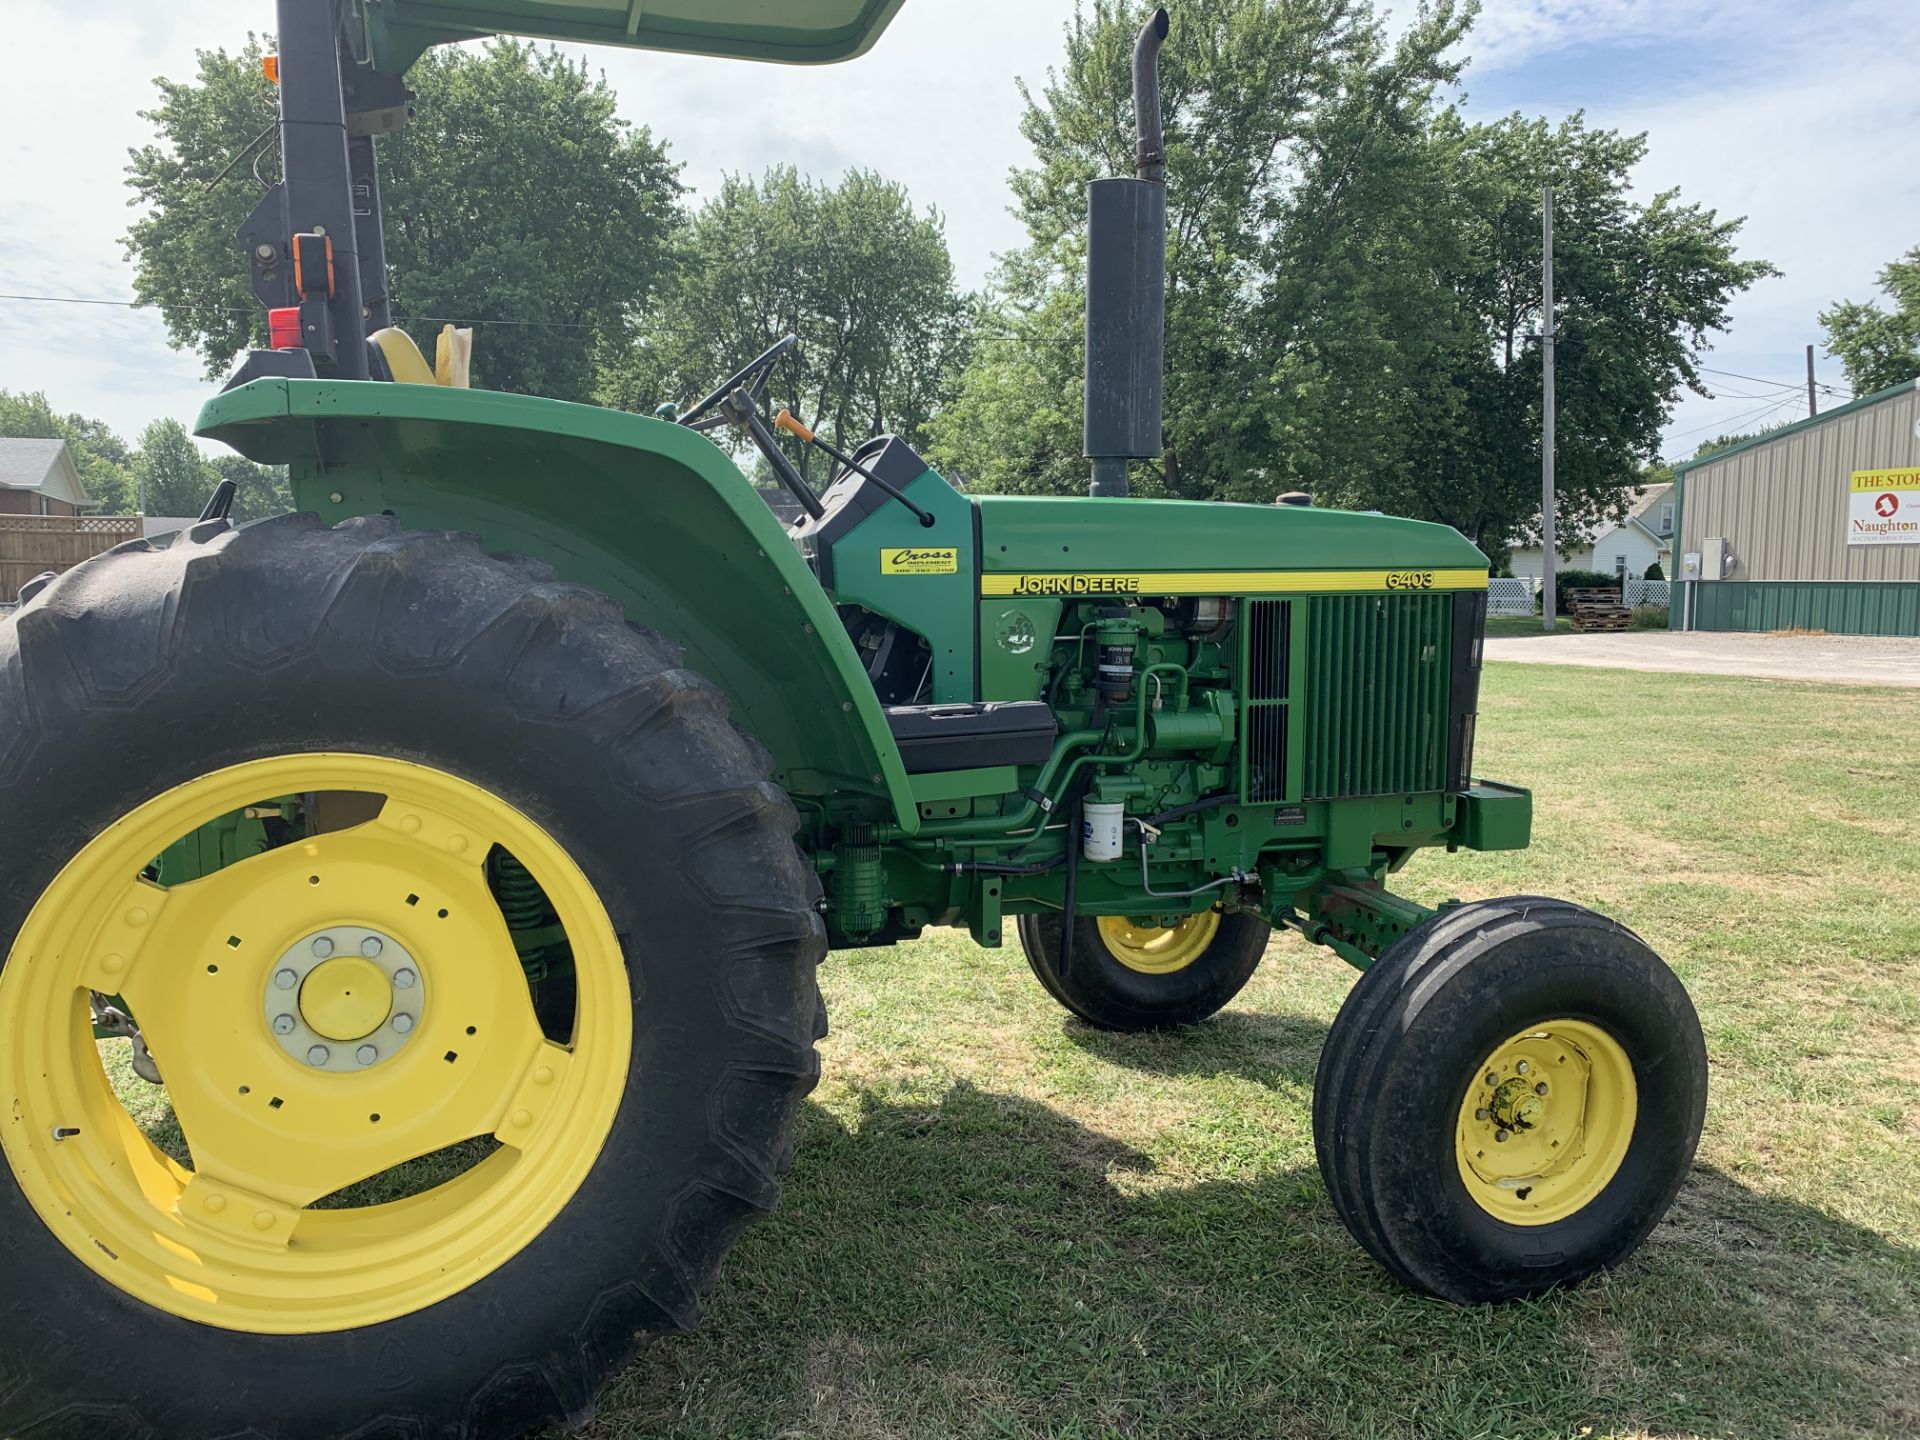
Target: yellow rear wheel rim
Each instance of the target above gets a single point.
(446, 1048)
(1546, 1122)
(1159, 949)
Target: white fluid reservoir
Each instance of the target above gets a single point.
(1100, 828)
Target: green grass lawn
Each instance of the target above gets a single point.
(1004, 1224)
(1509, 627)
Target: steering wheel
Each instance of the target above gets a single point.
(752, 378)
(738, 402)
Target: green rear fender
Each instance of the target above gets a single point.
(651, 513)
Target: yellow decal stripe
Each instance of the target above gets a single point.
(1231, 582)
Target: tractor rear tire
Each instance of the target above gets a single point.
(1125, 977)
(145, 673)
(1509, 1099)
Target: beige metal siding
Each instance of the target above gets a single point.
(1783, 505)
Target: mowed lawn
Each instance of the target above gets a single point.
(1003, 1223)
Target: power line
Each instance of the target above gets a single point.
(256, 310)
(442, 319)
(1782, 385)
(1736, 420)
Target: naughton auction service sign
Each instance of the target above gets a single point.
(1883, 508)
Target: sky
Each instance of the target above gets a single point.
(1800, 118)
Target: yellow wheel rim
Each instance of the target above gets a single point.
(1546, 1122)
(1159, 949)
(434, 1041)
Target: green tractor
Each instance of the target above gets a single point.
(459, 851)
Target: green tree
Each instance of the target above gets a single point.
(102, 457)
(1257, 97)
(1640, 287)
(1353, 275)
(262, 490)
(516, 201)
(862, 278)
(1879, 347)
(171, 474)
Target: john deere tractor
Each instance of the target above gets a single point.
(459, 851)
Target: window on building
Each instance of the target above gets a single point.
(1666, 518)
(1620, 566)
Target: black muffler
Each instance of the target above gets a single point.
(1127, 288)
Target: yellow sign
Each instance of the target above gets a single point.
(919, 560)
(1233, 582)
(1886, 480)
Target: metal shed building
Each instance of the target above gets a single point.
(1815, 525)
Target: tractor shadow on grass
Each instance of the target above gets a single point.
(969, 1263)
(1280, 1052)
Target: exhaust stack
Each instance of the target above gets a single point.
(1127, 288)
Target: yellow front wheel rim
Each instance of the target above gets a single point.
(1546, 1122)
(1159, 949)
(379, 944)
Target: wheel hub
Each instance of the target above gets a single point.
(1546, 1122)
(345, 998)
(1153, 949)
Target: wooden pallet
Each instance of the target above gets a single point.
(1598, 610)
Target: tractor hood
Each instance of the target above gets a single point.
(797, 32)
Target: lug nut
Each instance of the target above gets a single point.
(285, 980)
(404, 979)
(319, 1055)
(1481, 1113)
(1500, 1135)
(283, 1024)
(323, 947)
(1492, 1079)
(366, 1054)
(402, 1023)
(1522, 1068)
(371, 947)
(1541, 1088)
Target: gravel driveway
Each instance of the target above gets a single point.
(1846, 659)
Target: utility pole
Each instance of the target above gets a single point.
(1549, 591)
(1813, 405)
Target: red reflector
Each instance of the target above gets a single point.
(283, 327)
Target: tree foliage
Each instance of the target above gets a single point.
(862, 278)
(1879, 347)
(176, 480)
(1353, 277)
(516, 201)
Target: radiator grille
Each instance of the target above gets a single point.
(1375, 707)
(1269, 657)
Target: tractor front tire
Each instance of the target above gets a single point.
(1137, 975)
(1509, 1099)
(478, 704)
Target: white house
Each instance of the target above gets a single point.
(1644, 538)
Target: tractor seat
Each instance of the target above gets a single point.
(972, 736)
